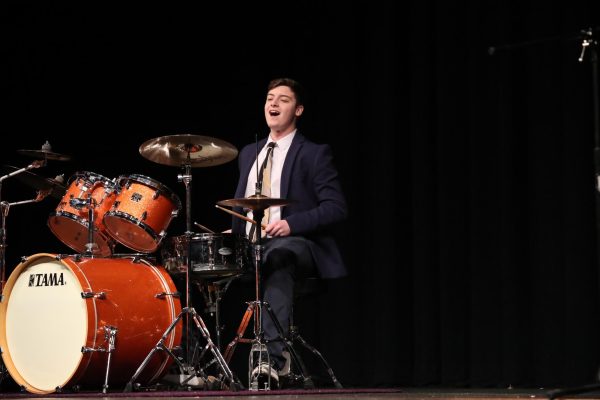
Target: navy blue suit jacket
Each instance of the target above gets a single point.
(310, 180)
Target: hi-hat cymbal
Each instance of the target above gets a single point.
(195, 150)
(40, 182)
(44, 155)
(254, 202)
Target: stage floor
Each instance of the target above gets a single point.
(321, 394)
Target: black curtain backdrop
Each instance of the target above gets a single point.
(472, 239)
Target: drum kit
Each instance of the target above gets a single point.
(118, 313)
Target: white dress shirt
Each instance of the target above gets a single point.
(279, 153)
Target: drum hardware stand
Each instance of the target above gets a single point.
(259, 345)
(4, 210)
(110, 333)
(212, 298)
(258, 204)
(258, 351)
(294, 335)
(189, 312)
(186, 178)
(90, 203)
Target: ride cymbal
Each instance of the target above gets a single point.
(254, 202)
(194, 150)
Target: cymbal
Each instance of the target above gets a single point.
(173, 150)
(44, 155)
(254, 202)
(39, 182)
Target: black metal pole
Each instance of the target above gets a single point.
(589, 44)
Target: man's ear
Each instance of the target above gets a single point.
(299, 110)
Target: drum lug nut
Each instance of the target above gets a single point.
(92, 350)
(89, 295)
(162, 295)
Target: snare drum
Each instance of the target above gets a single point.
(212, 255)
(56, 316)
(70, 222)
(141, 212)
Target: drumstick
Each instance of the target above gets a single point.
(203, 228)
(240, 216)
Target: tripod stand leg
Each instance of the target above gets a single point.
(296, 359)
(160, 345)
(240, 332)
(111, 333)
(216, 353)
(320, 357)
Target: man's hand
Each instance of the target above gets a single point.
(278, 228)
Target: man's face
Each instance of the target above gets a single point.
(281, 110)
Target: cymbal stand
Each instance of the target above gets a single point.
(255, 308)
(4, 209)
(186, 178)
(258, 351)
(190, 312)
(187, 366)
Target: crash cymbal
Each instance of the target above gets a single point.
(44, 155)
(39, 182)
(254, 202)
(203, 151)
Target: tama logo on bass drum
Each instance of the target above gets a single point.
(51, 279)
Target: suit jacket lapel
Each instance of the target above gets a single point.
(289, 163)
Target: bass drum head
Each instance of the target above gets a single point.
(40, 299)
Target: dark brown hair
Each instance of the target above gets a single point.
(295, 86)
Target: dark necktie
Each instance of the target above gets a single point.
(264, 176)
